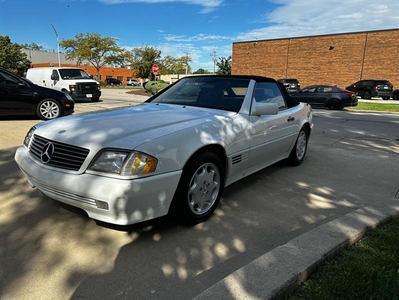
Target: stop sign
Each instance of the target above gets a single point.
(155, 69)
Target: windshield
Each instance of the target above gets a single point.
(74, 74)
(209, 91)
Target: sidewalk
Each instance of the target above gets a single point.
(282, 269)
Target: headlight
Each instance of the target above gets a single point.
(29, 136)
(68, 96)
(124, 163)
(72, 87)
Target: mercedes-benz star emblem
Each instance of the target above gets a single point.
(47, 152)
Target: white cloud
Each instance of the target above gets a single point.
(208, 5)
(295, 18)
(196, 38)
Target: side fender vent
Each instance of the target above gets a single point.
(236, 159)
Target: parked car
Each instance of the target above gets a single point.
(112, 81)
(20, 96)
(328, 96)
(291, 84)
(370, 88)
(395, 95)
(132, 82)
(176, 152)
(74, 81)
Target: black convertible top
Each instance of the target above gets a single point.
(291, 102)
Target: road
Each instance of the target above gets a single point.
(51, 251)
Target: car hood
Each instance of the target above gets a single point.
(44, 92)
(125, 128)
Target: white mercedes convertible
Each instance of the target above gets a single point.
(175, 152)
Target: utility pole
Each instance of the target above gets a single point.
(58, 45)
(187, 55)
(214, 61)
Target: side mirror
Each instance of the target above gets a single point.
(22, 84)
(264, 109)
(54, 77)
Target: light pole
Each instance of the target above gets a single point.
(58, 45)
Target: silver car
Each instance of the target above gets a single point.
(132, 82)
(174, 153)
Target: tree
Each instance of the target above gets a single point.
(173, 65)
(32, 46)
(224, 66)
(11, 56)
(142, 59)
(93, 48)
(202, 71)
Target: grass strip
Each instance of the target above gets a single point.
(375, 107)
(367, 270)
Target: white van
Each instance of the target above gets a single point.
(74, 81)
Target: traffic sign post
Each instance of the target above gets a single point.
(155, 69)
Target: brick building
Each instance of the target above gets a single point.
(336, 59)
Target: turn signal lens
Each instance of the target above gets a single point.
(139, 164)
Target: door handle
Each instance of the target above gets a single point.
(290, 119)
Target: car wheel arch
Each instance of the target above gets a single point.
(179, 206)
(334, 103)
(55, 107)
(366, 95)
(216, 149)
(293, 158)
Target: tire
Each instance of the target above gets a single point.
(385, 98)
(367, 95)
(298, 153)
(395, 96)
(95, 99)
(334, 104)
(200, 189)
(48, 109)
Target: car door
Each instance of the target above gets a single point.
(273, 135)
(306, 95)
(320, 96)
(16, 97)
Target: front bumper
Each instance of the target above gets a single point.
(110, 200)
(85, 95)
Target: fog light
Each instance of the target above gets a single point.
(102, 204)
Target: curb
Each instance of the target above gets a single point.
(279, 271)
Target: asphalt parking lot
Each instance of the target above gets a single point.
(270, 228)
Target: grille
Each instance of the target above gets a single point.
(65, 156)
(87, 86)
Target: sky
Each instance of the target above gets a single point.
(202, 29)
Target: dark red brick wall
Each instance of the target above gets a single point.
(355, 56)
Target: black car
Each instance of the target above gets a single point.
(20, 96)
(370, 88)
(395, 95)
(113, 81)
(328, 96)
(291, 84)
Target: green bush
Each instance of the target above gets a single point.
(155, 86)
